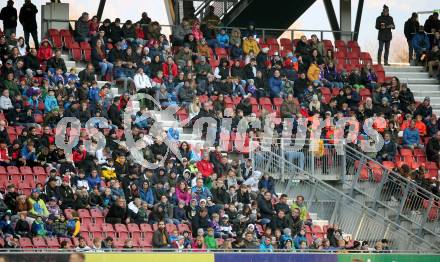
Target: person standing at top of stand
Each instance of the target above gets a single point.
(410, 29)
(384, 23)
(27, 17)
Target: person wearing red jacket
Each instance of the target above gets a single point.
(169, 68)
(80, 154)
(205, 167)
(4, 154)
(45, 51)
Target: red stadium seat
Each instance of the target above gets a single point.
(108, 230)
(134, 230)
(57, 41)
(146, 228)
(170, 228)
(121, 231)
(221, 52)
(25, 170)
(52, 32)
(339, 44)
(183, 227)
(265, 101)
(13, 170)
(52, 242)
(39, 170)
(38, 242)
(25, 242)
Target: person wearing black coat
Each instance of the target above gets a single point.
(411, 27)
(433, 148)
(31, 60)
(388, 151)
(432, 24)
(115, 31)
(28, 13)
(219, 194)
(384, 23)
(9, 16)
(117, 213)
(280, 221)
(201, 220)
(114, 114)
(266, 208)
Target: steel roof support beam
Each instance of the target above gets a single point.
(357, 24)
(332, 18)
(100, 9)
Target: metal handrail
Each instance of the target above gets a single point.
(255, 155)
(392, 172)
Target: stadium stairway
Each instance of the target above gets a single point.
(326, 201)
(419, 83)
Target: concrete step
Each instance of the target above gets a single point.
(65, 57)
(426, 81)
(102, 83)
(422, 87)
(70, 64)
(435, 100)
(403, 69)
(424, 93)
(184, 137)
(404, 75)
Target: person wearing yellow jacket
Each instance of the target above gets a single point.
(108, 171)
(250, 44)
(36, 205)
(313, 72)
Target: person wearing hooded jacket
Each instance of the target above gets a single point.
(420, 43)
(82, 28)
(45, 52)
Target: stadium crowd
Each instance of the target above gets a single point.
(208, 200)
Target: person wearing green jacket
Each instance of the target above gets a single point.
(10, 84)
(299, 203)
(210, 241)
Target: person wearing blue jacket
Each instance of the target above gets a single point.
(300, 238)
(420, 43)
(146, 193)
(173, 134)
(50, 102)
(223, 38)
(94, 180)
(276, 85)
(94, 93)
(411, 136)
(266, 245)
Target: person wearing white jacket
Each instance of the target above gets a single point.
(141, 80)
(5, 101)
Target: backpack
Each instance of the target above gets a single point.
(71, 224)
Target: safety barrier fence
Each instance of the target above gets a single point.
(361, 221)
(381, 188)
